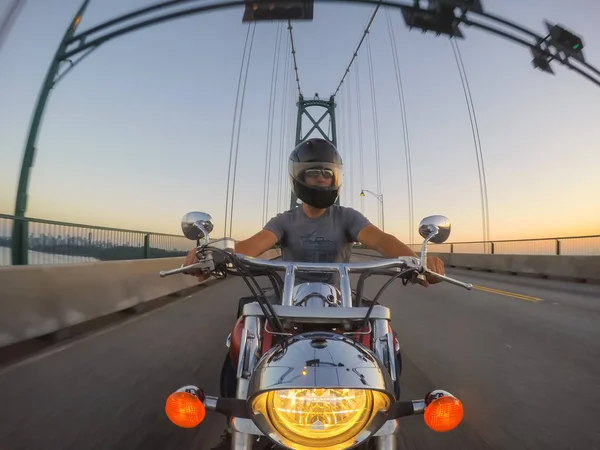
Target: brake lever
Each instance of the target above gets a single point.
(467, 286)
(422, 277)
(207, 265)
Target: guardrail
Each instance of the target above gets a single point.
(45, 299)
(53, 242)
(577, 268)
(564, 246)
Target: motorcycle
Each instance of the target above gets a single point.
(317, 367)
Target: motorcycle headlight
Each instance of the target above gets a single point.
(319, 391)
(320, 418)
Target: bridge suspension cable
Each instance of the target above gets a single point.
(342, 144)
(359, 114)
(272, 101)
(286, 123)
(380, 217)
(283, 130)
(237, 144)
(287, 188)
(233, 126)
(344, 141)
(348, 104)
(360, 137)
(476, 139)
(403, 116)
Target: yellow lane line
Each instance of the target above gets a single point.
(508, 294)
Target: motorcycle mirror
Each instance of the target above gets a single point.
(197, 225)
(435, 229)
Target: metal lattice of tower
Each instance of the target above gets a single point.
(303, 105)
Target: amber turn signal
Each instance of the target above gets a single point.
(184, 409)
(444, 414)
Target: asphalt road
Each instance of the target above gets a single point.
(527, 368)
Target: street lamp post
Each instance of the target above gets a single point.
(380, 198)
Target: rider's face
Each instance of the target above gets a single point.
(318, 177)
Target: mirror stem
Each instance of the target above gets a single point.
(204, 233)
(435, 230)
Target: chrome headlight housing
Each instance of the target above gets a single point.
(320, 391)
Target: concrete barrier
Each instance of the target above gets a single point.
(565, 267)
(42, 299)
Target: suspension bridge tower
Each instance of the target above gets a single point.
(303, 111)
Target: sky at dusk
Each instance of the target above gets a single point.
(139, 133)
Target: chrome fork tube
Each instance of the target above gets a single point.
(246, 362)
(388, 442)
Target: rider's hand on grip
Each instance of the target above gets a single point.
(190, 259)
(436, 265)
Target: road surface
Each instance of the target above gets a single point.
(522, 354)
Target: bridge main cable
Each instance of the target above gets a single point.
(290, 28)
(355, 54)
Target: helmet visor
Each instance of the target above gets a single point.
(312, 173)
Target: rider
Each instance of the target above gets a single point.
(319, 231)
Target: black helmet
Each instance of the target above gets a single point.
(318, 154)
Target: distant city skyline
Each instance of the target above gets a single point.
(99, 244)
(126, 136)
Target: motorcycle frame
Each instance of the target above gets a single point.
(244, 430)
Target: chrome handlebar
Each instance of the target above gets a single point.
(401, 263)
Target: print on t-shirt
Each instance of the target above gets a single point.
(317, 248)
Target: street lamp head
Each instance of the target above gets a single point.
(362, 193)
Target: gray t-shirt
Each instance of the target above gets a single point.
(328, 238)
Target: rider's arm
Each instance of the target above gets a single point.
(360, 229)
(272, 233)
(257, 244)
(386, 244)
(253, 246)
(390, 247)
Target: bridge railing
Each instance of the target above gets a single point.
(567, 245)
(53, 242)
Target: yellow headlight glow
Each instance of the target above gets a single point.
(319, 418)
